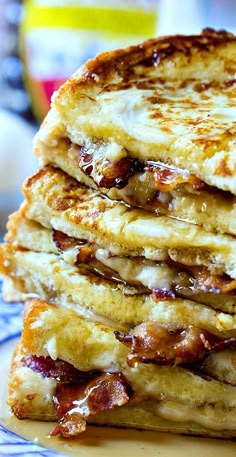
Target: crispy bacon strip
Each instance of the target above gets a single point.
(116, 174)
(64, 242)
(105, 173)
(58, 369)
(85, 254)
(79, 394)
(208, 282)
(168, 177)
(162, 294)
(75, 403)
(165, 345)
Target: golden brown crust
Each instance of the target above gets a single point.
(120, 63)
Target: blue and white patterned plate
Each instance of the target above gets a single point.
(11, 444)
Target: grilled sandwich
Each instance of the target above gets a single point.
(156, 377)
(123, 249)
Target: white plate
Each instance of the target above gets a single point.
(28, 438)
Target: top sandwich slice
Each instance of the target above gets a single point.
(153, 125)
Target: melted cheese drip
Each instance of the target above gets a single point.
(132, 270)
(139, 271)
(51, 347)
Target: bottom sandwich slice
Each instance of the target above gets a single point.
(158, 377)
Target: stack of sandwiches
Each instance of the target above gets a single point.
(124, 249)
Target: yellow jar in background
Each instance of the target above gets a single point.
(58, 36)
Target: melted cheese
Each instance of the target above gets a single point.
(138, 271)
(51, 347)
(206, 415)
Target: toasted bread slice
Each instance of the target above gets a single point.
(57, 201)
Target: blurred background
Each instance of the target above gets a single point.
(42, 42)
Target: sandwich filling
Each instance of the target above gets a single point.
(164, 280)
